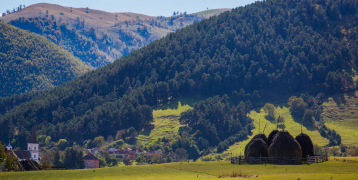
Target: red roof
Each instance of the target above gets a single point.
(124, 152)
(90, 156)
(23, 154)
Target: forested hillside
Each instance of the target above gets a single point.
(97, 37)
(86, 46)
(29, 62)
(274, 46)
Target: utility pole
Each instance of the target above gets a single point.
(259, 126)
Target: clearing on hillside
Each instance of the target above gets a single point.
(291, 125)
(340, 112)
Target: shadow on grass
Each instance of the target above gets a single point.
(147, 130)
(174, 104)
(257, 110)
(270, 118)
(188, 100)
(298, 120)
(339, 98)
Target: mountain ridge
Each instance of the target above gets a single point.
(109, 35)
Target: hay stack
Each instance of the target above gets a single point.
(30, 165)
(284, 145)
(257, 148)
(258, 136)
(306, 144)
(271, 136)
(36, 164)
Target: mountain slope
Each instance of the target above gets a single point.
(274, 46)
(30, 62)
(98, 37)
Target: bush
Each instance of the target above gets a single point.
(270, 109)
(298, 106)
(308, 117)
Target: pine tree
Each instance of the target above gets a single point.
(56, 160)
(79, 160)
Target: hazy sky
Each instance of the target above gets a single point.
(148, 7)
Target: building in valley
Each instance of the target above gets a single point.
(91, 161)
(32, 151)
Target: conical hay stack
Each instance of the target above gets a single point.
(258, 136)
(257, 148)
(306, 144)
(284, 145)
(271, 136)
(36, 164)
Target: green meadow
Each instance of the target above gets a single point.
(292, 125)
(166, 119)
(199, 170)
(340, 112)
(343, 120)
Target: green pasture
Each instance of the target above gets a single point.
(340, 112)
(198, 170)
(166, 119)
(292, 125)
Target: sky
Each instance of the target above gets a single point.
(147, 7)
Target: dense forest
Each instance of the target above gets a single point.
(273, 46)
(214, 122)
(29, 62)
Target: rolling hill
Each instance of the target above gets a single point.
(29, 62)
(106, 35)
(235, 60)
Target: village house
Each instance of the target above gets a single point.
(91, 161)
(121, 153)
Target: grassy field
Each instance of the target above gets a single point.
(202, 170)
(344, 159)
(166, 119)
(292, 125)
(341, 114)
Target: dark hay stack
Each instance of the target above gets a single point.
(284, 145)
(30, 165)
(306, 144)
(257, 148)
(271, 136)
(37, 165)
(258, 136)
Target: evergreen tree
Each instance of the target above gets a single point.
(57, 159)
(2, 153)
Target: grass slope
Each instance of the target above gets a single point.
(202, 170)
(212, 12)
(292, 125)
(340, 113)
(94, 18)
(166, 119)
